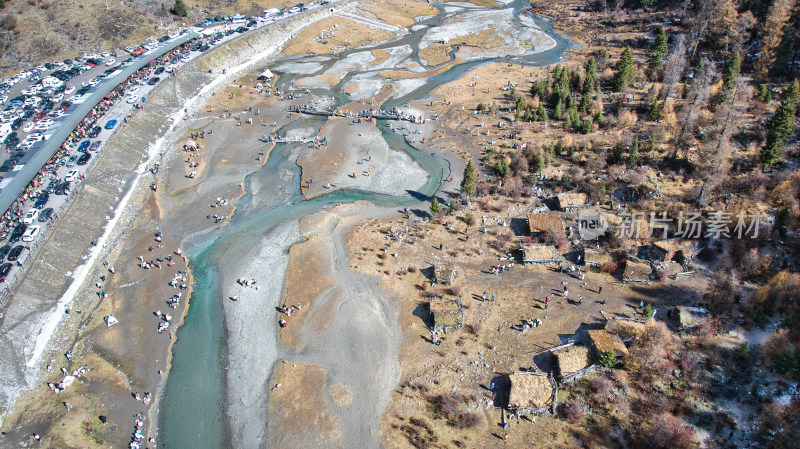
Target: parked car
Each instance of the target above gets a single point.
(4, 270)
(41, 200)
(159, 70)
(72, 161)
(51, 186)
(84, 145)
(17, 232)
(8, 165)
(94, 132)
(84, 159)
(71, 176)
(95, 145)
(31, 216)
(45, 214)
(153, 81)
(31, 234)
(4, 251)
(14, 254)
(62, 188)
(111, 124)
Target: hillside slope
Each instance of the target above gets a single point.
(36, 31)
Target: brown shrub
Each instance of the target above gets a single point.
(669, 432)
(601, 385)
(8, 22)
(572, 412)
(651, 349)
(557, 239)
(503, 239)
(454, 290)
(474, 328)
(450, 407)
(775, 345)
(466, 421)
(412, 269)
(609, 267)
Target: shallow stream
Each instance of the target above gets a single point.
(193, 409)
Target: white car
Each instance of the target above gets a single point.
(69, 90)
(28, 127)
(105, 54)
(58, 97)
(132, 99)
(3, 99)
(30, 234)
(111, 61)
(37, 136)
(31, 216)
(71, 176)
(133, 89)
(58, 63)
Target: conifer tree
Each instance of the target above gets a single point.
(435, 207)
(625, 74)
(658, 51)
(469, 182)
(634, 151)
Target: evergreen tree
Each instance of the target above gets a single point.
(658, 51)
(653, 112)
(501, 168)
(591, 76)
(179, 8)
(616, 155)
(588, 89)
(653, 142)
(435, 207)
(469, 182)
(792, 93)
(771, 151)
(558, 110)
(625, 74)
(732, 71)
(781, 125)
(634, 151)
(537, 162)
(763, 92)
(586, 125)
(541, 114)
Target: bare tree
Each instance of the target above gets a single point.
(697, 101)
(777, 18)
(676, 61)
(717, 154)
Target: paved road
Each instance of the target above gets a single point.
(40, 153)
